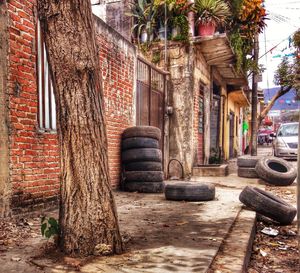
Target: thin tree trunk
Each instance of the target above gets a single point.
(87, 210)
(253, 137)
(266, 110)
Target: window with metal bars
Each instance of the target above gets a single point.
(46, 105)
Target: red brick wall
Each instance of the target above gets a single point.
(34, 155)
(34, 159)
(117, 58)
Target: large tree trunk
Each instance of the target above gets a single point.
(266, 110)
(87, 211)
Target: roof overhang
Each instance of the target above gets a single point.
(218, 52)
(239, 97)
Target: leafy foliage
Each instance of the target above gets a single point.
(49, 227)
(216, 12)
(144, 16)
(287, 75)
(248, 19)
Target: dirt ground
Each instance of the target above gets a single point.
(160, 236)
(277, 254)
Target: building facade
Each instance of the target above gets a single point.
(198, 103)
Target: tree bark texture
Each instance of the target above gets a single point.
(88, 214)
(266, 110)
(254, 127)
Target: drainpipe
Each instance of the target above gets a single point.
(191, 20)
(166, 38)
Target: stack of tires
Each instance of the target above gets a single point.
(142, 160)
(246, 166)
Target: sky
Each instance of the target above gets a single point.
(284, 20)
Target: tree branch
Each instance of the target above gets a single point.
(266, 110)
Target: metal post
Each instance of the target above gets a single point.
(253, 139)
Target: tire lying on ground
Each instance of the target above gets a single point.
(189, 191)
(141, 154)
(247, 161)
(139, 142)
(143, 166)
(247, 172)
(144, 187)
(144, 176)
(268, 205)
(142, 131)
(276, 171)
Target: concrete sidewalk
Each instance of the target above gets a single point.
(163, 236)
(168, 236)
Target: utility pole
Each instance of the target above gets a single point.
(253, 137)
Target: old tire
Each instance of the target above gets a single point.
(276, 171)
(141, 154)
(144, 187)
(268, 205)
(187, 191)
(247, 172)
(142, 131)
(247, 161)
(144, 176)
(143, 166)
(139, 142)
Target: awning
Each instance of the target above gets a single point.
(218, 52)
(239, 97)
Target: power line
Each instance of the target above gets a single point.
(276, 46)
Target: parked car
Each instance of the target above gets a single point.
(286, 142)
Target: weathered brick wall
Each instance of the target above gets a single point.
(201, 76)
(198, 138)
(33, 153)
(117, 62)
(34, 158)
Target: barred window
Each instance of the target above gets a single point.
(46, 101)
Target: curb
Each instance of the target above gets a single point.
(235, 252)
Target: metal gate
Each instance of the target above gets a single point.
(151, 85)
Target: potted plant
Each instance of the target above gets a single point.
(178, 10)
(143, 14)
(210, 13)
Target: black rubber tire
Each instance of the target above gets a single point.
(139, 142)
(144, 187)
(247, 161)
(142, 131)
(247, 172)
(268, 205)
(189, 191)
(276, 171)
(144, 176)
(141, 154)
(143, 166)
